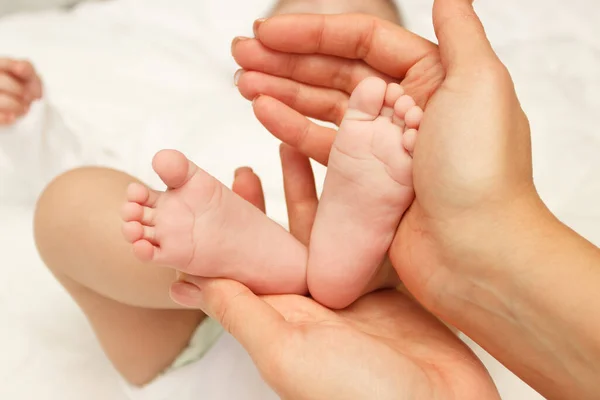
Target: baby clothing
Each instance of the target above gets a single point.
(213, 367)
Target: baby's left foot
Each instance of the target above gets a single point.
(19, 87)
(367, 190)
(200, 227)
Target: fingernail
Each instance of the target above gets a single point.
(238, 39)
(257, 25)
(237, 76)
(189, 290)
(242, 170)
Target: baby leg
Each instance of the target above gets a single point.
(77, 232)
(367, 190)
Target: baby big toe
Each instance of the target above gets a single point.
(367, 100)
(173, 168)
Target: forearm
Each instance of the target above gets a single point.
(537, 308)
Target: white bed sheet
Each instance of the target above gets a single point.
(133, 76)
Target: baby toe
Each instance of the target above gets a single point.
(393, 93)
(133, 231)
(402, 106)
(413, 117)
(367, 100)
(173, 168)
(409, 140)
(132, 212)
(144, 250)
(138, 193)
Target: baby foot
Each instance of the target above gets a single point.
(19, 87)
(200, 227)
(367, 190)
(380, 8)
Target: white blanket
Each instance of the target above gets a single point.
(132, 76)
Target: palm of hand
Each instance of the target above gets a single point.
(462, 182)
(389, 345)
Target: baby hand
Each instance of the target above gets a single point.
(19, 87)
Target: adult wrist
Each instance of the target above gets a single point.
(532, 302)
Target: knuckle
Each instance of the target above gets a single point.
(343, 77)
(365, 41)
(303, 135)
(291, 65)
(295, 96)
(336, 110)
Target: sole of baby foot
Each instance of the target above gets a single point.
(367, 189)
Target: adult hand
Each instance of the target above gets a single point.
(307, 66)
(385, 346)
(19, 87)
(478, 247)
(473, 143)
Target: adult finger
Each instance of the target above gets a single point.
(300, 192)
(248, 186)
(313, 69)
(383, 45)
(311, 85)
(254, 323)
(293, 128)
(314, 102)
(461, 35)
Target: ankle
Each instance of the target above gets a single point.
(385, 9)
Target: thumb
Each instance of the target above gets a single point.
(254, 323)
(461, 36)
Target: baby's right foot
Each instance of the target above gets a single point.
(367, 190)
(19, 87)
(201, 228)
